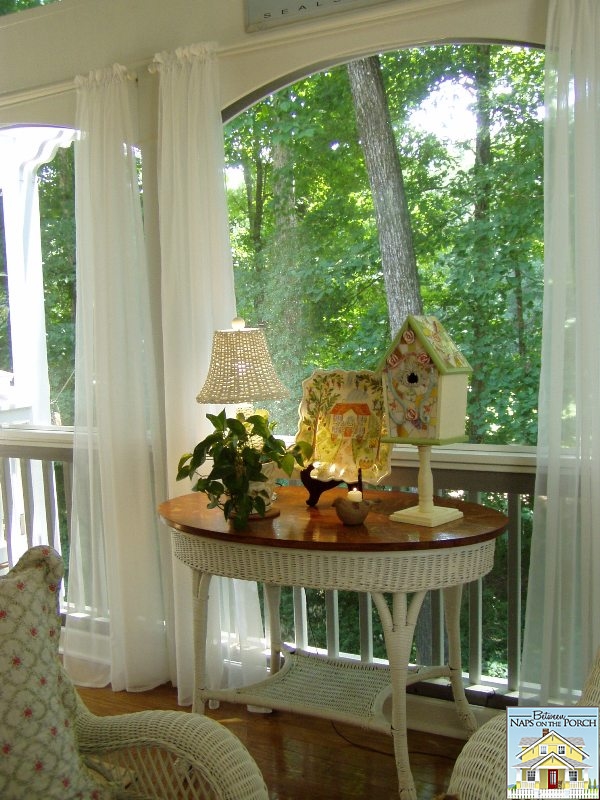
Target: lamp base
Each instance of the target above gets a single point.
(438, 515)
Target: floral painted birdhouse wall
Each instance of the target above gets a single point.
(425, 381)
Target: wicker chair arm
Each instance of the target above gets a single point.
(590, 696)
(171, 754)
(480, 769)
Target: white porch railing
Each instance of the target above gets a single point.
(35, 489)
(35, 492)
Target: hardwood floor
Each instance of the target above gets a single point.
(303, 758)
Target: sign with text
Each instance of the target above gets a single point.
(263, 14)
(552, 752)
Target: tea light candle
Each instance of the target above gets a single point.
(355, 496)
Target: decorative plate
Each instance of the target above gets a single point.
(342, 415)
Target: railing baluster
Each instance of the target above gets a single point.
(365, 618)
(332, 623)
(300, 617)
(475, 591)
(475, 625)
(27, 487)
(437, 627)
(7, 509)
(514, 591)
(52, 529)
(67, 468)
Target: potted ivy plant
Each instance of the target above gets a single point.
(244, 450)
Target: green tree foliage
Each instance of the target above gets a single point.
(57, 228)
(5, 342)
(316, 289)
(10, 6)
(312, 273)
(57, 221)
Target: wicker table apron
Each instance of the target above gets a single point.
(310, 547)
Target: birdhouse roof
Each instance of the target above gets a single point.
(436, 342)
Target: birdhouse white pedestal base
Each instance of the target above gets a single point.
(416, 515)
(426, 513)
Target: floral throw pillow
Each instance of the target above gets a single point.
(38, 749)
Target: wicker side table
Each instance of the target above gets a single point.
(310, 547)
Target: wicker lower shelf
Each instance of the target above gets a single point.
(336, 689)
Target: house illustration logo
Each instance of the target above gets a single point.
(552, 752)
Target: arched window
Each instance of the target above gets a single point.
(321, 254)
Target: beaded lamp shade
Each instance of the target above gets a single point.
(241, 370)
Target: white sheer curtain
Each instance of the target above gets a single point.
(562, 628)
(115, 628)
(197, 298)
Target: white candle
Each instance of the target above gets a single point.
(354, 496)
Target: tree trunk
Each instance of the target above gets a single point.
(255, 176)
(387, 188)
(483, 142)
(481, 194)
(398, 260)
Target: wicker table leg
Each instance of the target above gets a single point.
(452, 597)
(200, 585)
(398, 629)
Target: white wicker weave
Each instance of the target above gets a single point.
(480, 769)
(376, 571)
(169, 755)
(331, 688)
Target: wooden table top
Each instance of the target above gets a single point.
(302, 527)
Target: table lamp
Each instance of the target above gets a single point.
(244, 452)
(240, 370)
(425, 382)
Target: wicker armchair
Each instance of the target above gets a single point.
(53, 747)
(168, 755)
(480, 769)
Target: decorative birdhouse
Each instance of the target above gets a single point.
(425, 382)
